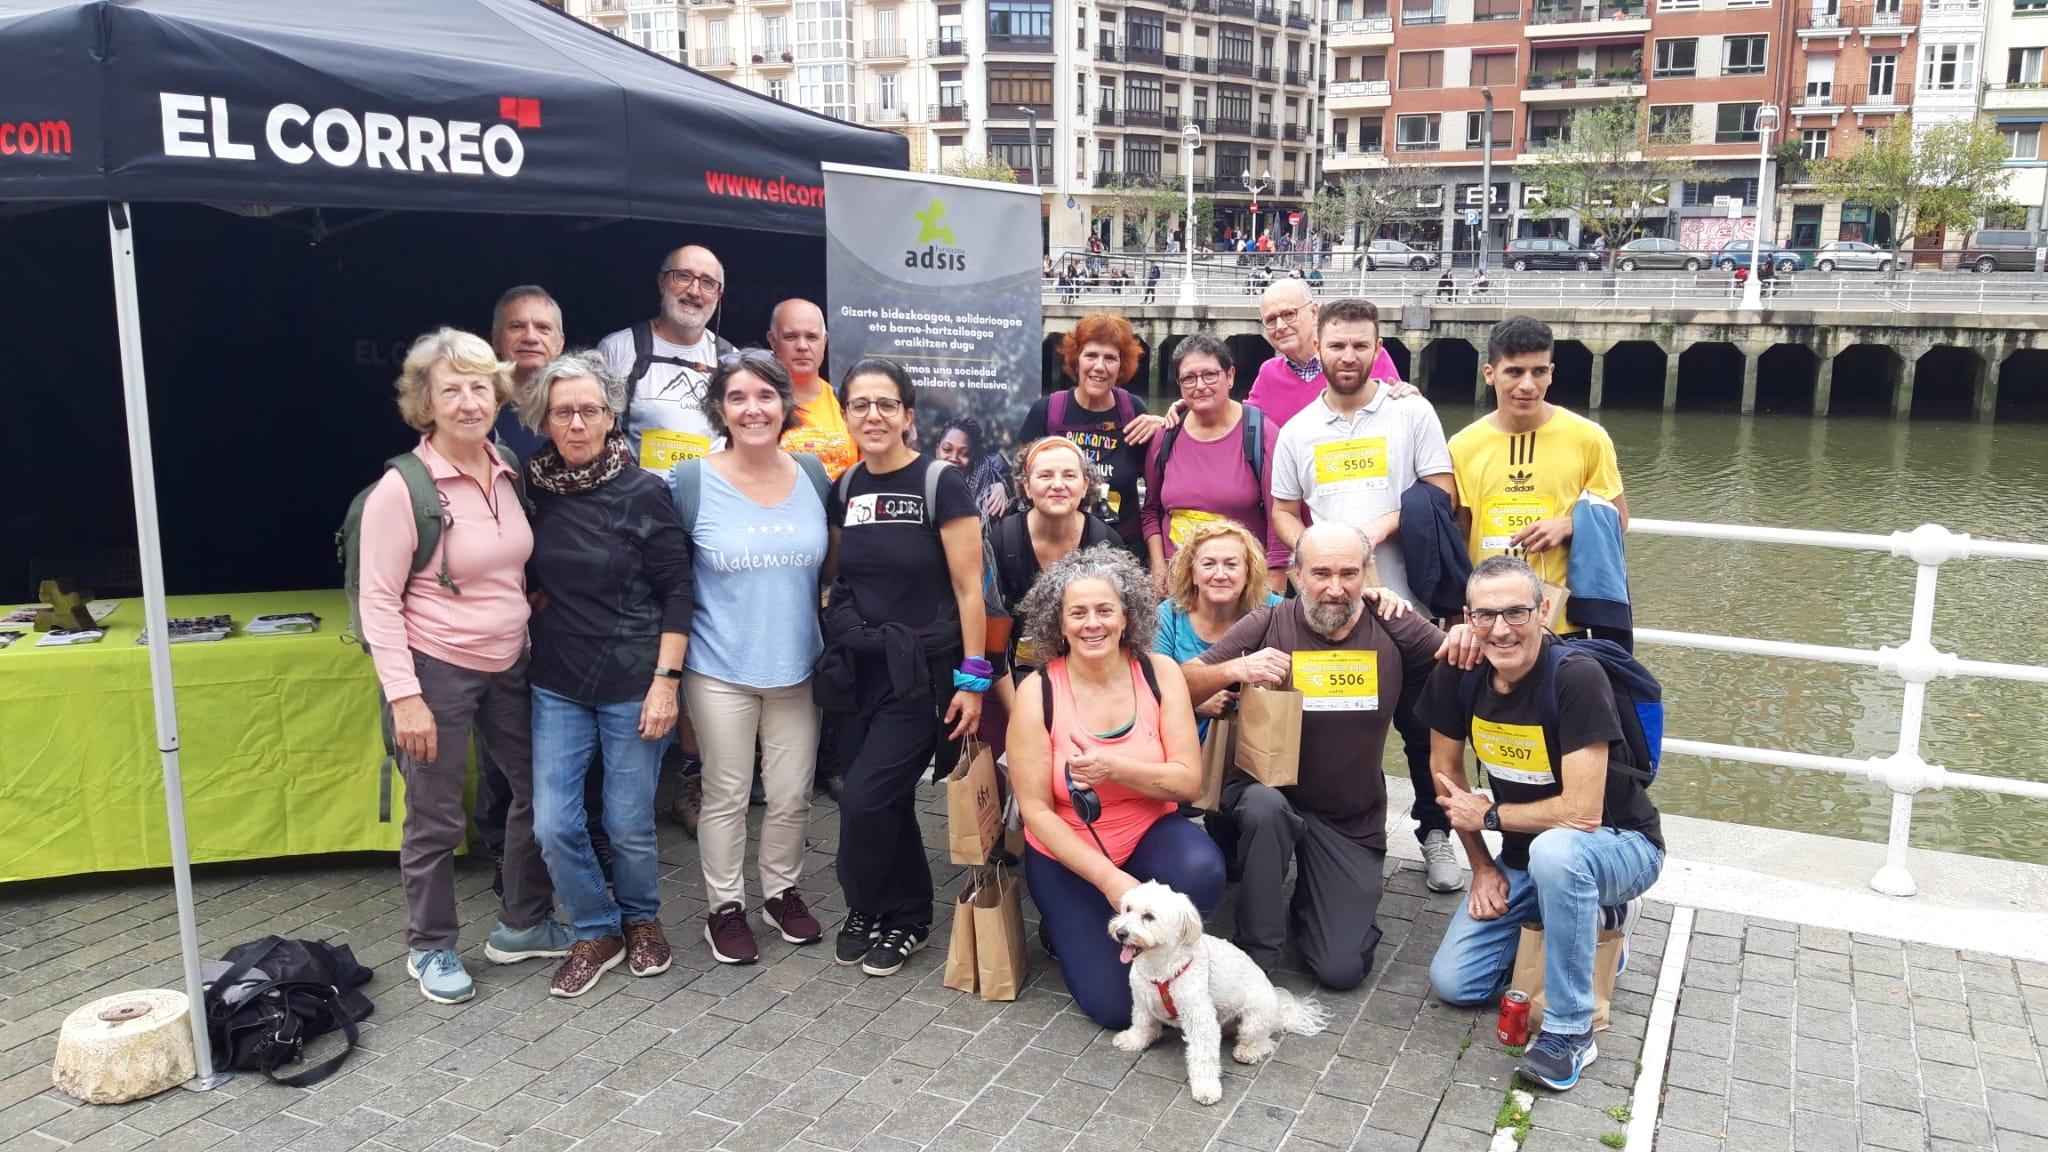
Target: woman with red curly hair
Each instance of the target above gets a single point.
(1108, 422)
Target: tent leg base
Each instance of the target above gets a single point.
(207, 1083)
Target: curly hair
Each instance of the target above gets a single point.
(1041, 609)
(465, 353)
(1180, 572)
(1102, 328)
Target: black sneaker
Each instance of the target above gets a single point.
(856, 936)
(893, 948)
(1556, 1060)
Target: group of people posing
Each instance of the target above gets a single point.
(666, 520)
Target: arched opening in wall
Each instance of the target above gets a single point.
(1141, 380)
(1453, 366)
(1250, 352)
(1169, 389)
(1404, 360)
(1571, 381)
(1634, 376)
(1052, 376)
(1945, 383)
(1710, 378)
(1784, 379)
(1866, 377)
(2023, 386)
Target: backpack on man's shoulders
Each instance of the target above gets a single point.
(644, 358)
(686, 482)
(1638, 700)
(430, 519)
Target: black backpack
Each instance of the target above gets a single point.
(1253, 430)
(270, 996)
(644, 358)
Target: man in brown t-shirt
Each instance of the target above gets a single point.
(1350, 667)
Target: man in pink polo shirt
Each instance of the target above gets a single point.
(1288, 382)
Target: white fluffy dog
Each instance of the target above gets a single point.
(1201, 985)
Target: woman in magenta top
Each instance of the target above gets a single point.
(1102, 751)
(1217, 465)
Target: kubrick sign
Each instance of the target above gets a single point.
(199, 127)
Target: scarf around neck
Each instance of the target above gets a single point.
(550, 473)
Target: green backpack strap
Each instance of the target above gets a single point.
(511, 460)
(686, 481)
(429, 519)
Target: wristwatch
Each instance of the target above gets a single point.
(669, 673)
(1491, 821)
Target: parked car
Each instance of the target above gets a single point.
(1735, 254)
(2003, 250)
(1394, 254)
(1529, 252)
(1657, 252)
(1852, 256)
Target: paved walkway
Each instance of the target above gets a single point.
(1785, 1038)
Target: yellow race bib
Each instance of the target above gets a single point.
(1338, 681)
(660, 448)
(1183, 522)
(1515, 753)
(1504, 516)
(1025, 654)
(1116, 504)
(1356, 464)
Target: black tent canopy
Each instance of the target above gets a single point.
(479, 106)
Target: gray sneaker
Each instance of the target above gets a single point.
(549, 938)
(1440, 864)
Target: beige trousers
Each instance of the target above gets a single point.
(728, 717)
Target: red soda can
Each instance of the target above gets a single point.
(1514, 1018)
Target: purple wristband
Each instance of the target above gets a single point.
(976, 666)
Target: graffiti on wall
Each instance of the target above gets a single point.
(1708, 233)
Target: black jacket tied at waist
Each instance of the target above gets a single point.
(915, 657)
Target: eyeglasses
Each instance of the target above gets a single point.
(1483, 618)
(1280, 319)
(682, 278)
(885, 405)
(560, 417)
(1208, 378)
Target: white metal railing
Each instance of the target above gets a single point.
(1915, 662)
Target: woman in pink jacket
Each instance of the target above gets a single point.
(451, 655)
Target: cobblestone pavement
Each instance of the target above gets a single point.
(797, 1052)
(1793, 1037)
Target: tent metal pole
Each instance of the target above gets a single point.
(142, 468)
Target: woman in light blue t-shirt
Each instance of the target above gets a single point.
(762, 550)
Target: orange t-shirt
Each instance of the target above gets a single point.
(821, 431)
(1126, 814)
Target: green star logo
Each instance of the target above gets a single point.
(932, 225)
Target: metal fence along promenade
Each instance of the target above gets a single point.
(1916, 662)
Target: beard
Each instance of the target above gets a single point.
(684, 315)
(1331, 616)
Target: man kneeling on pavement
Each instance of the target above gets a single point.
(1350, 667)
(1580, 840)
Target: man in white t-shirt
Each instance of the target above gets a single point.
(666, 361)
(1348, 456)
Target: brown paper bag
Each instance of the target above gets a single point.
(1528, 975)
(974, 809)
(960, 948)
(1269, 735)
(1554, 595)
(1218, 749)
(999, 936)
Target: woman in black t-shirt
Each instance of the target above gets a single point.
(905, 664)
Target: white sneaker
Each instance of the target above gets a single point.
(1622, 918)
(1440, 864)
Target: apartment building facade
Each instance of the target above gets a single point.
(2016, 98)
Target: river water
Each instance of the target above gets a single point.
(1849, 475)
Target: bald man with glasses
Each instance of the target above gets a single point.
(667, 359)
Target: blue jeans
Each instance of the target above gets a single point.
(1571, 876)
(564, 735)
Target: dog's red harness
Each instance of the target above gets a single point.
(1165, 990)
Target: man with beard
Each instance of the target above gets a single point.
(666, 361)
(526, 330)
(1348, 456)
(1350, 667)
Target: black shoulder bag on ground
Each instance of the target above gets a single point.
(310, 990)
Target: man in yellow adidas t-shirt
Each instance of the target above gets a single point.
(1521, 468)
(796, 334)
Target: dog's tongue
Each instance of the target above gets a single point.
(1127, 955)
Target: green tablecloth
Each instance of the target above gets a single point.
(280, 737)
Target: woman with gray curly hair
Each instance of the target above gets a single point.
(613, 566)
(1102, 752)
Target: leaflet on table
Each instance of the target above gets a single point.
(24, 618)
(192, 629)
(62, 637)
(282, 624)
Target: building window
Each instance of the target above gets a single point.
(655, 30)
(1493, 68)
(1234, 103)
(1820, 80)
(1749, 3)
(774, 37)
(2030, 5)
(1009, 87)
(1141, 156)
(888, 91)
(1422, 11)
(1948, 67)
(2023, 66)
(2023, 141)
(1014, 148)
(952, 93)
(1020, 22)
(1503, 130)
(1743, 55)
(824, 31)
(1671, 123)
(1884, 71)
(1736, 124)
(1142, 94)
(1677, 58)
(1416, 133)
(1813, 144)
(1234, 46)
(1703, 193)
(1145, 32)
(1422, 70)
(778, 89)
(826, 88)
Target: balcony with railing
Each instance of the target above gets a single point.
(884, 50)
(1549, 18)
(1109, 53)
(1142, 118)
(1889, 19)
(711, 59)
(954, 113)
(1244, 8)
(2015, 95)
(1265, 74)
(1289, 188)
(1297, 17)
(1295, 76)
(1818, 23)
(1359, 94)
(1033, 45)
(1293, 133)
(1269, 13)
(1106, 117)
(1196, 64)
(947, 46)
(1019, 112)
(1202, 5)
(1228, 67)
(1105, 178)
(1571, 85)
(1820, 96)
(1897, 98)
(1151, 54)
(1224, 127)
(1263, 130)
(878, 114)
(774, 57)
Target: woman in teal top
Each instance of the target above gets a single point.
(1209, 587)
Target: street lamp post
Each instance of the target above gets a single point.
(1031, 116)
(1191, 137)
(1264, 181)
(1485, 174)
(1752, 288)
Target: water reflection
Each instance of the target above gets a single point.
(1864, 475)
